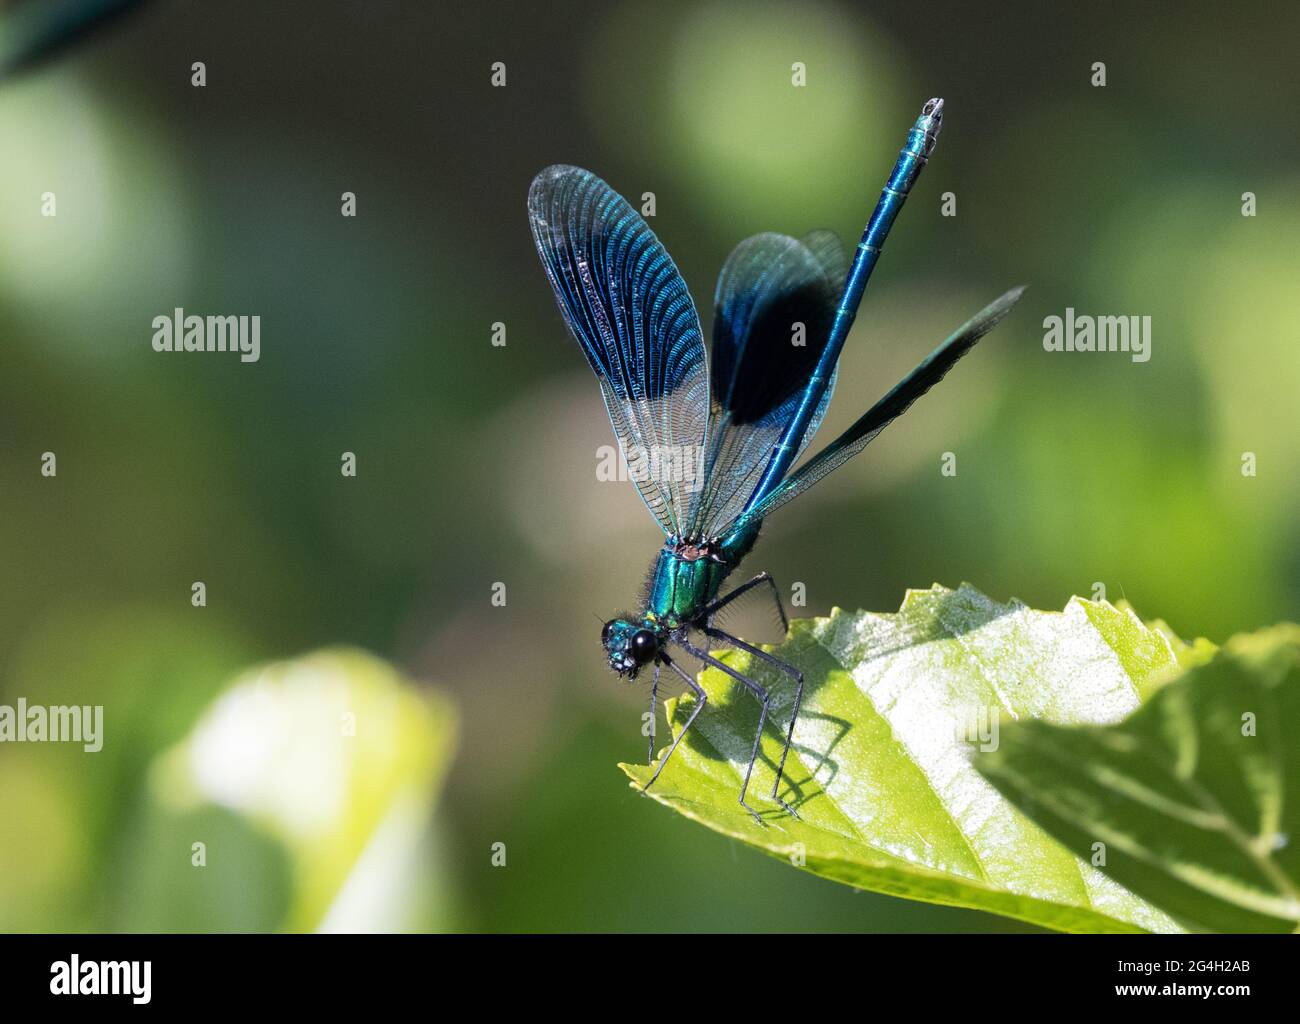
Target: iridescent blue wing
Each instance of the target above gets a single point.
(879, 416)
(773, 308)
(628, 308)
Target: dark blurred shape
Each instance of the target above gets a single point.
(33, 30)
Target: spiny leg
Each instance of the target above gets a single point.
(703, 698)
(795, 674)
(654, 690)
(763, 577)
(763, 698)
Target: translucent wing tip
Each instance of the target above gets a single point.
(991, 315)
(549, 174)
(1012, 296)
(548, 180)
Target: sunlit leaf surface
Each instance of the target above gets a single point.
(896, 707)
(1192, 799)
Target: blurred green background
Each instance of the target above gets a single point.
(477, 464)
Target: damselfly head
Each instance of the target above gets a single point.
(629, 645)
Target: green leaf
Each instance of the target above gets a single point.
(881, 772)
(338, 759)
(1189, 795)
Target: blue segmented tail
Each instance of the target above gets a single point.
(920, 144)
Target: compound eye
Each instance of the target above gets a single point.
(644, 646)
(605, 630)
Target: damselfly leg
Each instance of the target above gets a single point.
(702, 698)
(654, 694)
(794, 674)
(764, 701)
(763, 577)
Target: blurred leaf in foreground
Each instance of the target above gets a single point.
(340, 760)
(881, 770)
(1193, 798)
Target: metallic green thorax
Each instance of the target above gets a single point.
(688, 576)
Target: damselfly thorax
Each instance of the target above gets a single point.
(687, 575)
